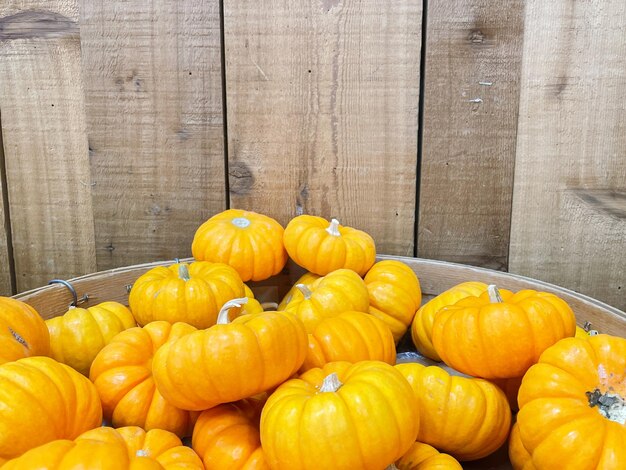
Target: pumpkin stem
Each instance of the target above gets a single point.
(306, 292)
(331, 383)
(268, 305)
(392, 467)
(240, 222)
(222, 317)
(610, 405)
(183, 272)
(494, 294)
(587, 328)
(333, 228)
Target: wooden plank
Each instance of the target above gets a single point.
(472, 71)
(45, 142)
(322, 101)
(7, 286)
(155, 124)
(569, 204)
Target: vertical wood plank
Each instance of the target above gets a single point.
(322, 102)
(155, 124)
(569, 203)
(6, 284)
(45, 143)
(473, 59)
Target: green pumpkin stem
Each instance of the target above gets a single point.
(222, 317)
(306, 292)
(331, 383)
(494, 294)
(333, 228)
(183, 272)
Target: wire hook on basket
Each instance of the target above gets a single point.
(70, 287)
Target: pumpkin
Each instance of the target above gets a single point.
(122, 374)
(342, 416)
(424, 457)
(23, 332)
(351, 337)
(251, 243)
(394, 294)
(466, 417)
(510, 387)
(573, 405)
(227, 438)
(322, 247)
(585, 331)
(518, 455)
(500, 334)
(337, 292)
(295, 292)
(190, 293)
(230, 361)
(78, 335)
(422, 325)
(43, 400)
(127, 448)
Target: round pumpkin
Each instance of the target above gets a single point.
(350, 337)
(78, 335)
(343, 416)
(499, 335)
(122, 374)
(466, 417)
(23, 332)
(518, 455)
(42, 400)
(394, 294)
(251, 243)
(337, 292)
(190, 293)
(295, 292)
(422, 325)
(230, 361)
(424, 457)
(321, 247)
(573, 405)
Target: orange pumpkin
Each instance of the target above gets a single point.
(78, 335)
(295, 292)
(424, 457)
(499, 335)
(43, 400)
(322, 247)
(573, 405)
(251, 243)
(23, 332)
(122, 374)
(466, 417)
(518, 455)
(422, 325)
(394, 294)
(190, 293)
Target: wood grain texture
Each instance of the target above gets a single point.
(155, 124)
(569, 224)
(45, 142)
(472, 72)
(322, 101)
(6, 282)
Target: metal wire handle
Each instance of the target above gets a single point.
(70, 287)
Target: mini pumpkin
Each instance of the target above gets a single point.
(191, 293)
(295, 292)
(78, 336)
(424, 457)
(518, 455)
(23, 332)
(321, 247)
(250, 242)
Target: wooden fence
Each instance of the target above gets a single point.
(483, 132)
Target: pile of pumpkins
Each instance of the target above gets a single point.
(311, 383)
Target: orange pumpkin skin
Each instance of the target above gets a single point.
(23, 332)
(350, 337)
(226, 437)
(251, 243)
(466, 417)
(566, 419)
(422, 325)
(43, 400)
(367, 423)
(321, 247)
(337, 292)
(501, 340)
(518, 455)
(424, 457)
(122, 374)
(78, 336)
(229, 362)
(294, 293)
(190, 293)
(394, 293)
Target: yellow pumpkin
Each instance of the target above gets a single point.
(518, 455)
(295, 292)
(424, 457)
(23, 332)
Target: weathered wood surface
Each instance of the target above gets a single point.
(322, 101)
(569, 204)
(472, 72)
(153, 84)
(7, 286)
(45, 143)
